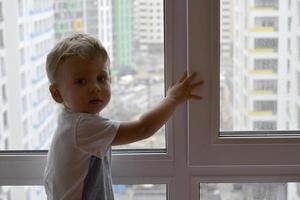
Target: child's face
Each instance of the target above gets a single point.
(84, 86)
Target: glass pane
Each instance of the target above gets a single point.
(140, 192)
(122, 192)
(259, 65)
(22, 193)
(131, 31)
(249, 191)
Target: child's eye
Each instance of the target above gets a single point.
(81, 81)
(102, 78)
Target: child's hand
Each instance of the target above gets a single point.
(154, 119)
(182, 90)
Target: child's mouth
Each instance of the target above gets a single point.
(95, 101)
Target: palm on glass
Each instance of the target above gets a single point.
(182, 90)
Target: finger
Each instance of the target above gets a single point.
(196, 97)
(192, 86)
(183, 77)
(189, 78)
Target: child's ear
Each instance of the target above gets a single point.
(55, 93)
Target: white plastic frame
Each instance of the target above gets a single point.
(209, 154)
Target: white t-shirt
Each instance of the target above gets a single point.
(78, 164)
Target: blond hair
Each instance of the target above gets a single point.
(79, 44)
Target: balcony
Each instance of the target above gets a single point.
(261, 72)
(262, 50)
(263, 113)
(263, 29)
(262, 92)
(263, 8)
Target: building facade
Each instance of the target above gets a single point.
(27, 114)
(262, 67)
(68, 17)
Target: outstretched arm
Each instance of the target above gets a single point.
(154, 119)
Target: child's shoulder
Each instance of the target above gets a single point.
(81, 117)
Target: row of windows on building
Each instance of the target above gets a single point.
(43, 25)
(40, 49)
(42, 4)
(65, 5)
(266, 64)
(270, 86)
(265, 105)
(24, 8)
(36, 98)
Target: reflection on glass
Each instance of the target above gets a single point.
(249, 191)
(122, 192)
(131, 31)
(259, 65)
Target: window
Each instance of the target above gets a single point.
(298, 117)
(265, 106)
(259, 145)
(266, 85)
(25, 127)
(265, 125)
(137, 65)
(298, 11)
(1, 39)
(21, 32)
(266, 43)
(4, 95)
(298, 83)
(1, 15)
(23, 80)
(24, 104)
(20, 7)
(22, 56)
(249, 151)
(276, 191)
(266, 64)
(128, 192)
(2, 67)
(267, 22)
(5, 120)
(298, 48)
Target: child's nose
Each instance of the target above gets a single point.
(95, 88)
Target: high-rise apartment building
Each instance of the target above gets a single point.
(226, 27)
(68, 17)
(105, 26)
(226, 62)
(149, 25)
(293, 24)
(262, 67)
(122, 34)
(27, 114)
(91, 17)
(28, 28)
(4, 133)
(148, 30)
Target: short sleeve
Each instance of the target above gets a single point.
(95, 134)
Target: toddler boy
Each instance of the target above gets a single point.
(78, 164)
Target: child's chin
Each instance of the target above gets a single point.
(94, 111)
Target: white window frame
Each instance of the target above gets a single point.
(226, 159)
(210, 149)
(195, 152)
